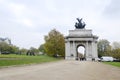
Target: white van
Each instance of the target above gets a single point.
(107, 58)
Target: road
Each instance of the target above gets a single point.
(62, 70)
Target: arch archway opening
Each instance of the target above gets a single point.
(81, 52)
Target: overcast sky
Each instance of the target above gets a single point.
(26, 22)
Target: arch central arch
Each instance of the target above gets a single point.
(81, 52)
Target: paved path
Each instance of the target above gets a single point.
(62, 70)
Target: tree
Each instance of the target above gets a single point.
(115, 45)
(54, 43)
(23, 51)
(41, 48)
(4, 47)
(14, 49)
(103, 47)
(34, 50)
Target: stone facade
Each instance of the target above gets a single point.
(81, 37)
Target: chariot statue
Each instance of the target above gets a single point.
(80, 24)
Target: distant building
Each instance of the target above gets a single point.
(7, 40)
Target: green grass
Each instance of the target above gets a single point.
(113, 63)
(10, 60)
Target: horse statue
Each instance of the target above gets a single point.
(80, 24)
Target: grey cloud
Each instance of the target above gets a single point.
(113, 9)
(48, 14)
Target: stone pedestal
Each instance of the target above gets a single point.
(81, 37)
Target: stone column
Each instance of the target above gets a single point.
(89, 51)
(74, 50)
(96, 52)
(93, 49)
(67, 49)
(86, 49)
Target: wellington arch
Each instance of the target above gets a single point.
(81, 37)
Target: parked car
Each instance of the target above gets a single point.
(107, 58)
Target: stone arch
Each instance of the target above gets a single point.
(80, 45)
(82, 37)
(80, 54)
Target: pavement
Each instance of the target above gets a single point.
(62, 70)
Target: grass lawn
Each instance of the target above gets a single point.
(113, 63)
(9, 60)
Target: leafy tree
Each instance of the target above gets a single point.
(23, 51)
(115, 50)
(115, 53)
(115, 45)
(4, 47)
(41, 48)
(54, 43)
(14, 49)
(32, 49)
(7, 48)
(103, 47)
